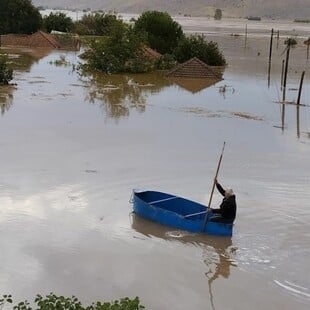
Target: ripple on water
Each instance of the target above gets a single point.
(256, 252)
(176, 234)
(294, 288)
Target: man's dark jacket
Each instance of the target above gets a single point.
(228, 206)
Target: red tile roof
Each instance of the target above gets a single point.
(195, 68)
(151, 53)
(37, 39)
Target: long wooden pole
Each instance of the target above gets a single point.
(285, 72)
(283, 116)
(282, 73)
(298, 102)
(212, 191)
(298, 121)
(270, 54)
(246, 35)
(300, 87)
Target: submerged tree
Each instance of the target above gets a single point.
(122, 51)
(19, 16)
(198, 46)
(162, 32)
(218, 14)
(6, 73)
(57, 21)
(290, 42)
(96, 24)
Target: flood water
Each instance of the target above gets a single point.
(73, 147)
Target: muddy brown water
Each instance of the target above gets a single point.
(73, 148)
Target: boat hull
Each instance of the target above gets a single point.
(177, 212)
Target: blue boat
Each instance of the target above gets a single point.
(177, 212)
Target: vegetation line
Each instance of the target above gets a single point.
(54, 302)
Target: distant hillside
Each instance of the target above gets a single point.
(282, 9)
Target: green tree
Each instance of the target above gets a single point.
(198, 46)
(6, 73)
(165, 62)
(163, 33)
(218, 14)
(19, 16)
(57, 21)
(122, 51)
(290, 42)
(96, 24)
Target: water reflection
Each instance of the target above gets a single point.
(283, 126)
(218, 252)
(194, 85)
(6, 98)
(117, 94)
(220, 262)
(21, 59)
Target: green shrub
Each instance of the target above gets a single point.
(198, 46)
(218, 14)
(57, 21)
(120, 52)
(165, 62)
(290, 42)
(139, 64)
(301, 20)
(162, 32)
(6, 73)
(96, 24)
(19, 16)
(54, 302)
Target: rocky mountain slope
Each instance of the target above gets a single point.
(278, 9)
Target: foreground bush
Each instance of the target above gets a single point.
(54, 302)
(6, 73)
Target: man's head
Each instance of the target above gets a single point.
(228, 192)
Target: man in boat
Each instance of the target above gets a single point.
(227, 211)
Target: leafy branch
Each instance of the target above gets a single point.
(54, 302)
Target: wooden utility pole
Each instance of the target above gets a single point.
(307, 42)
(300, 87)
(298, 103)
(282, 73)
(283, 116)
(270, 54)
(246, 35)
(285, 72)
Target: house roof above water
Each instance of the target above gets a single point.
(38, 39)
(194, 75)
(195, 68)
